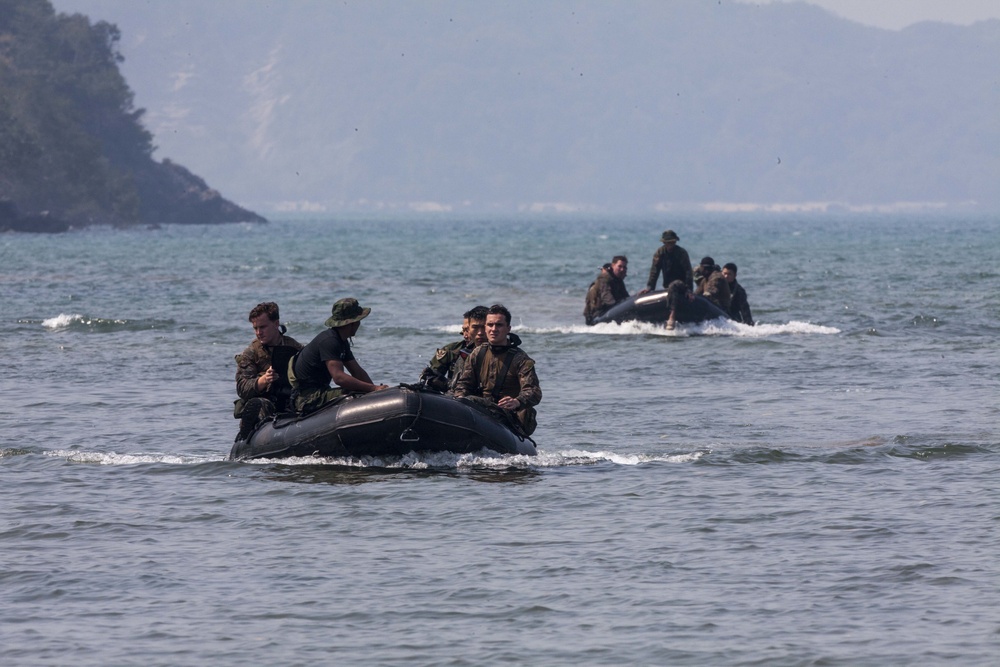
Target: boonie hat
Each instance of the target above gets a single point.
(707, 261)
(669, 235)
(346, 311)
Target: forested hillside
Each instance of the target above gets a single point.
(73, 149)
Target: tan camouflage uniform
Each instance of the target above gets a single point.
(715, 288)
(479, 376)
(251, 364)
(442, 370)
(604, 292)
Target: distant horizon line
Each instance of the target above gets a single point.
(307, 207)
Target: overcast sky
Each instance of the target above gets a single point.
(897, 14)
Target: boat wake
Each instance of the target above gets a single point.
(718, 327)
(116, 459)
(483, 460)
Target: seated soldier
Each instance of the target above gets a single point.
(328, 357)
(500, 374)
(447, 362)
(607, 289)
(711, 284)
(262, 386)
(739, 308)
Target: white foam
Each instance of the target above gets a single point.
(413, 461)
(115, 459)
(450, 328)
(61, 321)
(487, 459)
(718, 327)
(580, 457)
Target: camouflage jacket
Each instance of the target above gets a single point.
(254, 362)
(715, 288)
(479, 374)
(445, 365)
(604, 292)
(673, 263)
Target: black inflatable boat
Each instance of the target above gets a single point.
(652, 307)
(391, 422)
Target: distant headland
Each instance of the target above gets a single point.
(73, 149)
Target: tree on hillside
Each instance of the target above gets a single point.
(69, 132)
(72, 142)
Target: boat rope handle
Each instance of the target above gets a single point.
(408, 434)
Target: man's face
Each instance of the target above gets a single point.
(266, 329)
(730, 275)
(465, 330)
(477, 332)
(497, 329)
(670, 244)
(619, 269)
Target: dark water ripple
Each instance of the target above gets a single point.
(347, 552)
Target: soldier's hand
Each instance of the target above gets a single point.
(509, 403)
(267, 378)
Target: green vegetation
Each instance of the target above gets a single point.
(71, 140)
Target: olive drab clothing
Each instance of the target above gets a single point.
(739, 308)
(673, 263)
(715, 288)
(309, 375)
(494, 372)
(253, 362)
(604, 292)
(442, 370)
(312, 399)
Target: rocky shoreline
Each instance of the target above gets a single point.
(168, 194)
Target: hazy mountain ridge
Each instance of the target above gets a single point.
(608, 106)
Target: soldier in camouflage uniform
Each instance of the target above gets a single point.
(442, 370)
(672, 261)
(255, 376)
(500, 374)
(607, 290)
(712, 284)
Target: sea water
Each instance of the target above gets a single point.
(818, 489)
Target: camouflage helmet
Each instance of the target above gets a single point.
(669, 235)
(346, 311)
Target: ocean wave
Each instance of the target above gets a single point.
(115, 459)
(13, 451)
(78, 322)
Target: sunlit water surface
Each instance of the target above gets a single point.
(818, 489)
